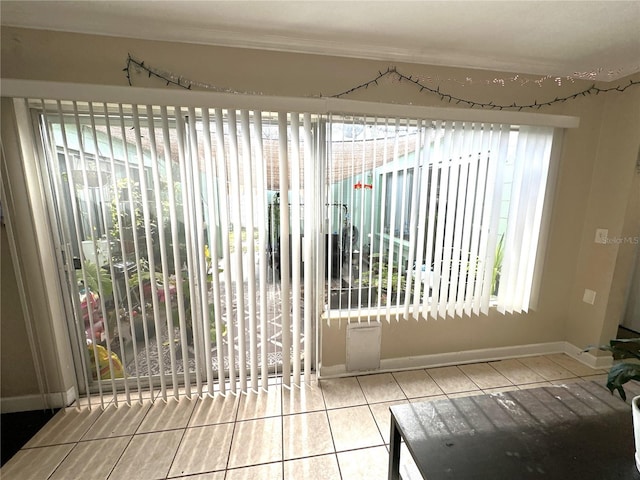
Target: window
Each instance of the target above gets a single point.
(451, 240)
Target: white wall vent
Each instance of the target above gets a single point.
(363, 346)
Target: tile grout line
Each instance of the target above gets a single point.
(417, 370)
(384, 443)
(238, 397)
(62, 461)
(282, 428)
(119, 457)
(333, 441)
(184, 431)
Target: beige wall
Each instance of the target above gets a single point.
(16, 363)
(36, 262)
(613, 203)
(594, 185)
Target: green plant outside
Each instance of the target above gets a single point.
(378, 277)
(497, 266)
(96, 278)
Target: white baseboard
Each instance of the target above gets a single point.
(471, 356)
(588, 358)
(25, 403)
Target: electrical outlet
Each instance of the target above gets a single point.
(589, 296)
(601, 235)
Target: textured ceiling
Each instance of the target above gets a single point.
(595, 39)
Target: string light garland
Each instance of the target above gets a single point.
(171, 79)
(394, 74)
(152, 72)
(392, 71)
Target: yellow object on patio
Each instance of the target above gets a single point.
(103, 363)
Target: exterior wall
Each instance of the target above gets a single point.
(594, 186)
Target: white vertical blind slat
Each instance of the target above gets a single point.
(329, 213)
(533, 148)
(117, 299)
(515, 229)
(392, 226)
(247, 168)
(492, 210)
(175, 255)
(458, 263)
(381, 234)
(365, 204)
(351, 201)
(526, 148)
(295, 243)
(359, 199)
(480, 167)
(181, 281)
(440, 218)
(545, 136)
(404, 189)
(214, 229)
(261, 182)
(345, 221)
(428, 203)
(422, 270)
(155, 187)
(375, 191)
(201, 320)
(285, 280)
(238, 271)
(469, 261)
(194, 247)
(411, 272)
(450, 258)
(130, 211)
(84, 187)
(93, 225)
(103, 225)
(221, 163)
(148, 241)
(309, 213)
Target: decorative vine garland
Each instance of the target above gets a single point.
(392, 72)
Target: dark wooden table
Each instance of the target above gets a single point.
(579, 431)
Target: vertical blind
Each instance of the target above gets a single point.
(436, 219)
(186, 225)
(207, 241)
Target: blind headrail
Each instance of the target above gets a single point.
(19, 88)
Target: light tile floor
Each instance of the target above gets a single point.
(334, 429)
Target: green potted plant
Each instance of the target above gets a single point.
(622, 372)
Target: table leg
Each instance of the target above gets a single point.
(394, 451)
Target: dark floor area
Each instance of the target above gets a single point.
(624, 332)
(18, 428)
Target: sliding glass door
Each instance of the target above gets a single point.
(187, 243)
